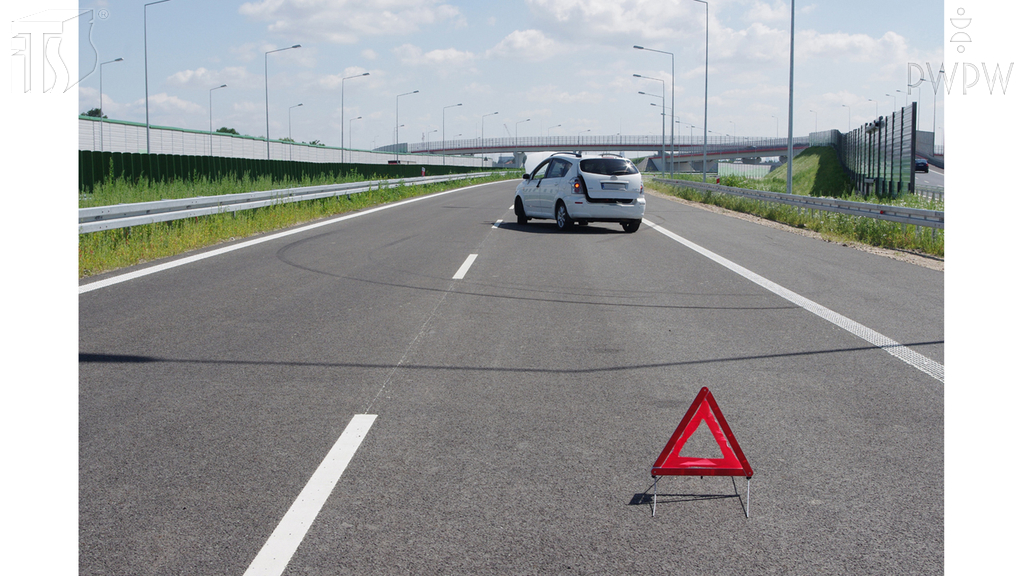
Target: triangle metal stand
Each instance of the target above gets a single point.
(746, 506)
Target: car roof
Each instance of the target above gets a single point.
(580, 155)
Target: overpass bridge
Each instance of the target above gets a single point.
(687, 155)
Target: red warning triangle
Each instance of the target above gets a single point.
(704, 409)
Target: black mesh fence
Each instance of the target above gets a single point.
(878, 156)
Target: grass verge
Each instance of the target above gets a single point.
(818, 172)
(108, 250)
(832, 226)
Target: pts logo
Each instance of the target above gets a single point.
(970, 74)
(993, 78)
(44, 48)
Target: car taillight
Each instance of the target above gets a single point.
(578, 186)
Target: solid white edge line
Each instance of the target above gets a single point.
(273, 558)
(919, 361)
(188, 260)
(464, 268)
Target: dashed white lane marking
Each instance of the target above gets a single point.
(273, 558)
(464, 268)
(922, 363)
(183, 261)
(497, 224)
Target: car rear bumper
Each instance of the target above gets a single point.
(580, 209)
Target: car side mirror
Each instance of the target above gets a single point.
(526, 176)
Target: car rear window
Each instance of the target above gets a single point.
(608, 166)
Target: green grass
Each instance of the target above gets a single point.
(832, 226)
(108, 250)
(120, 191)
(818, 172)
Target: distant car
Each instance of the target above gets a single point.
(582, 188)
(920, 165)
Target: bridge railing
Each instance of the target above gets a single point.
(687, 144)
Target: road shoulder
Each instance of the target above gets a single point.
(929, 262)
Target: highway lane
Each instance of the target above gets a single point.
(519, 409)
(935, 176)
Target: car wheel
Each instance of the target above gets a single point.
(631, 226)
(562, 218)
(521, 217)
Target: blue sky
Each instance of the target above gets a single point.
(554, 62)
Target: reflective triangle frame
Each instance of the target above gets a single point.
(703, 409)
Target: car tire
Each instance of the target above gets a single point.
(631, 226)
(521, 217)
(562, 219)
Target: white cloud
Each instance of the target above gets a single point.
(552, 93)
(528, 45)
(347, 21)
(450, 57)
(333, 81)
(764, 12)
(615, 22)
(201, 78)
(368, 54)
(852, 47)
(166, 103)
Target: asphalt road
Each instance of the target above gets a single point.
(519, 409)
(935, 176)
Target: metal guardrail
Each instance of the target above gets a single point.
(933, 192)
(126, 215)
(912, 216)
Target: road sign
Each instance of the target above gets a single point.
(703, 409)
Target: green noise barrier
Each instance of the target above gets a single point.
(96, 167)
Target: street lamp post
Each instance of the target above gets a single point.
(776, 126)
(211, 114)
(849, 117)
(893, 102)
(580, 134)
(815, 120)
(145, 57)
(706, 37)
(555, 126)
(663, 115)
(662, 109)
(350, 133)
(444, 145)
(482, 127)
(101, 97)
(673, 128)
(792, 50)
(266, 88)
(343, 110)
(396, 121)
(517, 131)
(876, 106)
(291, 144)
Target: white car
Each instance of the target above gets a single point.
(582, 188)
